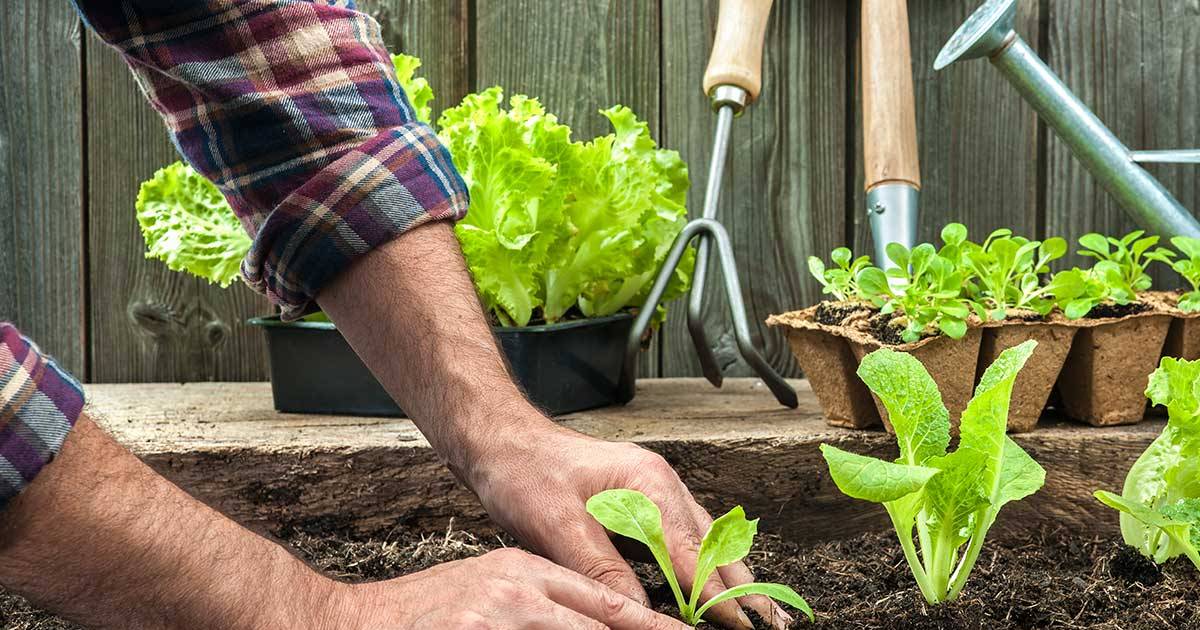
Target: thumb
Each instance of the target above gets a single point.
(593, 555)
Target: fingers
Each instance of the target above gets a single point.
(683, 536)
(591, 553)
(596, 601)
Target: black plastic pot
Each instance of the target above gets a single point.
(564, 367)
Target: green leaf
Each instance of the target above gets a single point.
(871, 479)
(954, 234)
(774, 591)
(417, 88)
(817, 269)
(913, 403)
(187, 224)
(633, 515)
(728, 540)
(1178, 531)
(1095, 243)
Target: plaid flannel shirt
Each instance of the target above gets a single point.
(39, 404)
(293, 109)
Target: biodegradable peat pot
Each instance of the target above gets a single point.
(1103, 381)
(1036, 380)
(1183, 339)
(563, 367)
(951, 363)
(830, 367)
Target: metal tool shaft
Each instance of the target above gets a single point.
(1093, 143)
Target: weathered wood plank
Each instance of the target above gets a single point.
(577, 58)
(41, 178)
(785, 193)
(225, 443)
(1135, 64)
(437, 31)
(149, 323)
(978, 139)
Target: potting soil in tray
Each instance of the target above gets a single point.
(1048, 579)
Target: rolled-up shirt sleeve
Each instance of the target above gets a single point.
(39, 404)
(292, 108)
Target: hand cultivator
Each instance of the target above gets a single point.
(732, 81)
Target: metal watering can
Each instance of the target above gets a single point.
(989, 33)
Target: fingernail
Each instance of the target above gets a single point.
(744, 620)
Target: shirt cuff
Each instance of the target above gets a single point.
(39, 404)
(392, 183)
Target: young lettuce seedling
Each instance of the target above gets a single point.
(1077, 291)
(948, 499)
(1006, 273)
(1132, 254)
(1160, 503)
(633, 515)
(1188, 266)
(841, 281)
(924, 287)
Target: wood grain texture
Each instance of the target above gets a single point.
(785, 185)
(149, 323)
(577, 58)
(1135, 64)
(737, 50)
(888, 97)
(978, 139)
(275, 472)
(41, 178)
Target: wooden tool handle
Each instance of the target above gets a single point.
(738, 48)
(889, 109)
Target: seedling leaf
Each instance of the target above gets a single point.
(775, 591)
(871, 479)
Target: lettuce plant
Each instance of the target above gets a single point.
(925, 288)
(1160, 502)
(841, 280)
(1132, 254)
(945, 500)
(1006, 271)
(1188, 266)
(633, 515)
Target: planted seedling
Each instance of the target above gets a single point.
(1076, 291)
(841, 280)
(945, 500)
(1160, 503)
(1006, 273)
(924, 288)
(633, 515)
(1188, 266)
(1131, 254)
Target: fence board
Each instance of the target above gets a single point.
(41, 178)
(978, 139)
(576, 58)
(1135, 64)
(785, 194)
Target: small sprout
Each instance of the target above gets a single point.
(1188, 266)
(1006, 273)
(633, 515)
(1132, 255)
(925, 288)
(950, 500)
(841, 280)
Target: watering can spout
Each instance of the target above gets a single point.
(989, 33)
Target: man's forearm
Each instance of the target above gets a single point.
(101, 539)
(410, 310)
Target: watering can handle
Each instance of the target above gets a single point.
(889, 110)
(738, 48)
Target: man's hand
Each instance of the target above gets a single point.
(535, 480)
(503, 590)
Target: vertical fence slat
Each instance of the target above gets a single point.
(978, 139)
(41, 178)
(577, 58)
(784, 186)
(1137, 65)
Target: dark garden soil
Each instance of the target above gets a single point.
(1103, 311)
(832, 313)
(885, 328)
(1048, 580)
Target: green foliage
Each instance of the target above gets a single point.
(729, 539)
(948, 499)
(840, 281)
(925, 288)
(1160, 502)
(420, 94)
(1005, 273)
(187, 224)
(1188, 266)
(556, 223)
(1131, 255)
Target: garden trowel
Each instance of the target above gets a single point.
(732, 82)
(892, 168)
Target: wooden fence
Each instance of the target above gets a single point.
(76, 138)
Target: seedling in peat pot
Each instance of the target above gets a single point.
(1160, 503)
(633, 515)
(925, 288)
(1188, 266)
(840, 281)
(1131, 254)
(1006, 273)
(949, 499)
